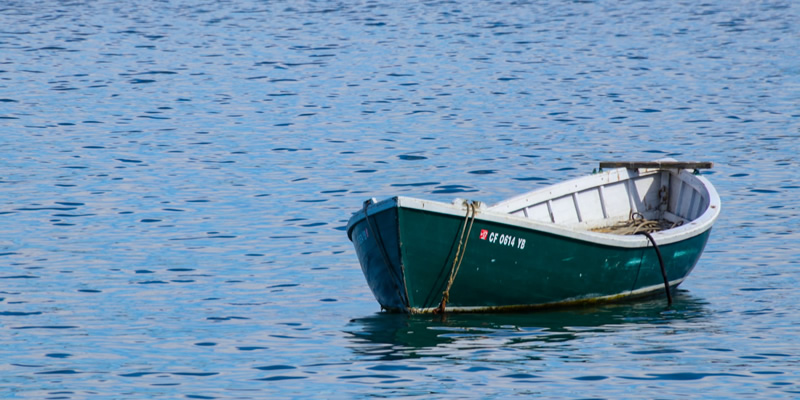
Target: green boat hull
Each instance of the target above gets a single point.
(407, 255)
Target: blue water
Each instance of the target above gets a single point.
(175, 178)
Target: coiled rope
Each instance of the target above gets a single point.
(469, 217)
(636, 224)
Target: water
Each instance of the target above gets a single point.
(176, 176)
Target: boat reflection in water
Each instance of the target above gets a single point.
(390, 336)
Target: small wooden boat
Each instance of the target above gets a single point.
(568, 244)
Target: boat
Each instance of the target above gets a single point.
(629, 230)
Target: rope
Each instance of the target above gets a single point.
(637, 224)
(469, 217)
(660, 262)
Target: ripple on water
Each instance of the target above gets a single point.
(447, 189)
(46, 327)
(281, 378)
(409, 157)
(59, 372)
(682, 376)
(277, 367)
(58, 355)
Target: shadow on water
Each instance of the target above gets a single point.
(388, 336)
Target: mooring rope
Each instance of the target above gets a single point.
(469, 217)
(660, 262)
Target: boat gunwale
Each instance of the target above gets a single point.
(692, 228)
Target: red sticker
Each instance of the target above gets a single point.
(484, 234)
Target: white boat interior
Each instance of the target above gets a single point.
(673, 196)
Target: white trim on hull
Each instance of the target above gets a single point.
(693, 192)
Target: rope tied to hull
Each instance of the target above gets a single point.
(469, 218)
(661, 263)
